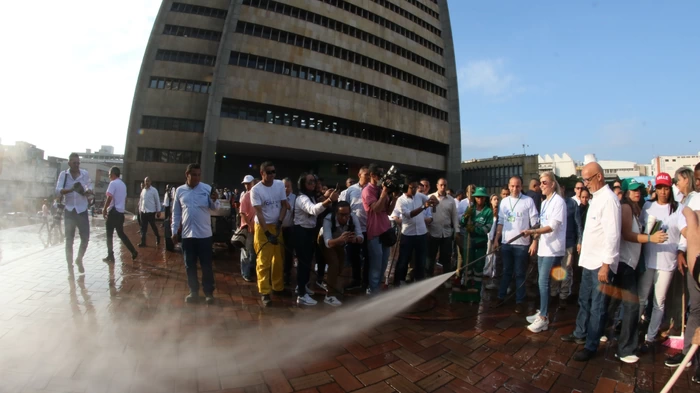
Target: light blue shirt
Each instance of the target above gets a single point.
(353, 196)
(192, 207)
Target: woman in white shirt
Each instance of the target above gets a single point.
(306, 211)
(660, 259)
(626, 278)
(550, 245)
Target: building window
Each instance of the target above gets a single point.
(251, 111)
(171, 124)
(192, 32)
(199, 10)
(179, 84)
(344, 54)
(185, 57)
(167, 156)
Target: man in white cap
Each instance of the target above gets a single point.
(247, 215)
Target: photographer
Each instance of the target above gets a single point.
(375, 199)
(340, 228)
(74, 185)
(413, 231)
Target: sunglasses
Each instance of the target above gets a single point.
(544, 183)
(578, 188)
(272, 172)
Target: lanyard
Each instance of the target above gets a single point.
(544, 207)
(512, 207)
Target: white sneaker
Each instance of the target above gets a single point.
(333, 301)
(603, 339)
(533, 318)
(306, 300)
(322, 285)
(631, 359)
(541, 324)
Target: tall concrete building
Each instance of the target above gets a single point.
(314, 85)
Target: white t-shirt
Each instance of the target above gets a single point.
(630, 251)
(117, 190)
(553, 215)
(517, 215)
(270, 198)
(663, 256)
(412, 226)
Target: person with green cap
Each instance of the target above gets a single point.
(477, 220)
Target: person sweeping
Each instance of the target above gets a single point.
(477, 221)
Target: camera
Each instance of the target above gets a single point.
(77, 187)
(393, 180)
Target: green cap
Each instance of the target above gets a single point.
(480, 192)
(631, 185)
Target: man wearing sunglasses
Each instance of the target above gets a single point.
(577, 189)
(270, 202)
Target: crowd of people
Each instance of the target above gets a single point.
(628, 240)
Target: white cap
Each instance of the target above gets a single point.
(247, 179)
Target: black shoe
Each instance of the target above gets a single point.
(266, 300)
(675, 361)
(209, 298)
(519, 308)
(562, 304)
(109, 259)
(583, 355)
(696, 377)
(570, 338)
(191, 298)
(79, 264)
(134, 255)
(157, 241)
(141, 245)
(354, 286)
(618, 327)
(647, 347)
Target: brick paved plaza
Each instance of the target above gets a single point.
(125, 328)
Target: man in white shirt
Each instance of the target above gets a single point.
(443, 229)
(192, 208)
(413, 232)
(600, 253)
(75, 185)
(113, 213)
(357, 252)
(270, 202)
(287, 231)
(516, 214)
(149, 205)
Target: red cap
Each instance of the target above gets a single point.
(664, 179)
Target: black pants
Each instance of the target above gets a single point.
(444, 245)
(288, 235)
(148, 218)
(73, 220)
(359, 260)
(305, 247)
(409, 245)
(115, 221)
(626, 279)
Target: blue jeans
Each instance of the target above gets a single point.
(590, 321)
(378, 260)
(409, 244)
(248, 257)
(194, 249)
(514, 257)
(544, 267)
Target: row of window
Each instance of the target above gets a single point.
(179, 84)
(199, 10)
(172, 124)
(192, 32)
(425, 8)
(335, 51)
(167, 156)
(333, 80)
(263, 113)
(185, 57)
(333, 24)
(385, 23)
(420, 22)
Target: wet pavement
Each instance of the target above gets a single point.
(124, 327)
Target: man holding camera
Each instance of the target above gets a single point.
(375, 200)
(113, 213)
(74, 185)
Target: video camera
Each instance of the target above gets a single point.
(393, 180)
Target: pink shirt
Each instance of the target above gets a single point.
(248, 211)
(377, 222)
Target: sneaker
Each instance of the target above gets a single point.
(266, 300)
(629, 359)
(603, 338)
(519, 308)
(191, 298)
(675, 361)
(354, 286)
(209, 299)
(322, 285)
(306, 300)
(491, 285)
(157, 241)
(533, 318)
(79, 264)
(509, 291)
(539, 325)
(248, 279)
(570, 338)
(109, 259)
(583, 355)
(333, 301)
(646, 347)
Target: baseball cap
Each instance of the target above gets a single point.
(631, 185)
(664, 179)
(247, 179)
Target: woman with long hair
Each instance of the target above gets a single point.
(477, 220)
(626, 278)
(490, 267)
(549, 244)
(660, 259)
(685, 180)
(306, 211)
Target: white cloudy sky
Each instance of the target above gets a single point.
(69, 71)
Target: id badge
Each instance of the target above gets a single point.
(511, 217)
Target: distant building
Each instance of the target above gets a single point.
(26, 178)
(494, 173)
(670, 164)
(563, 166)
